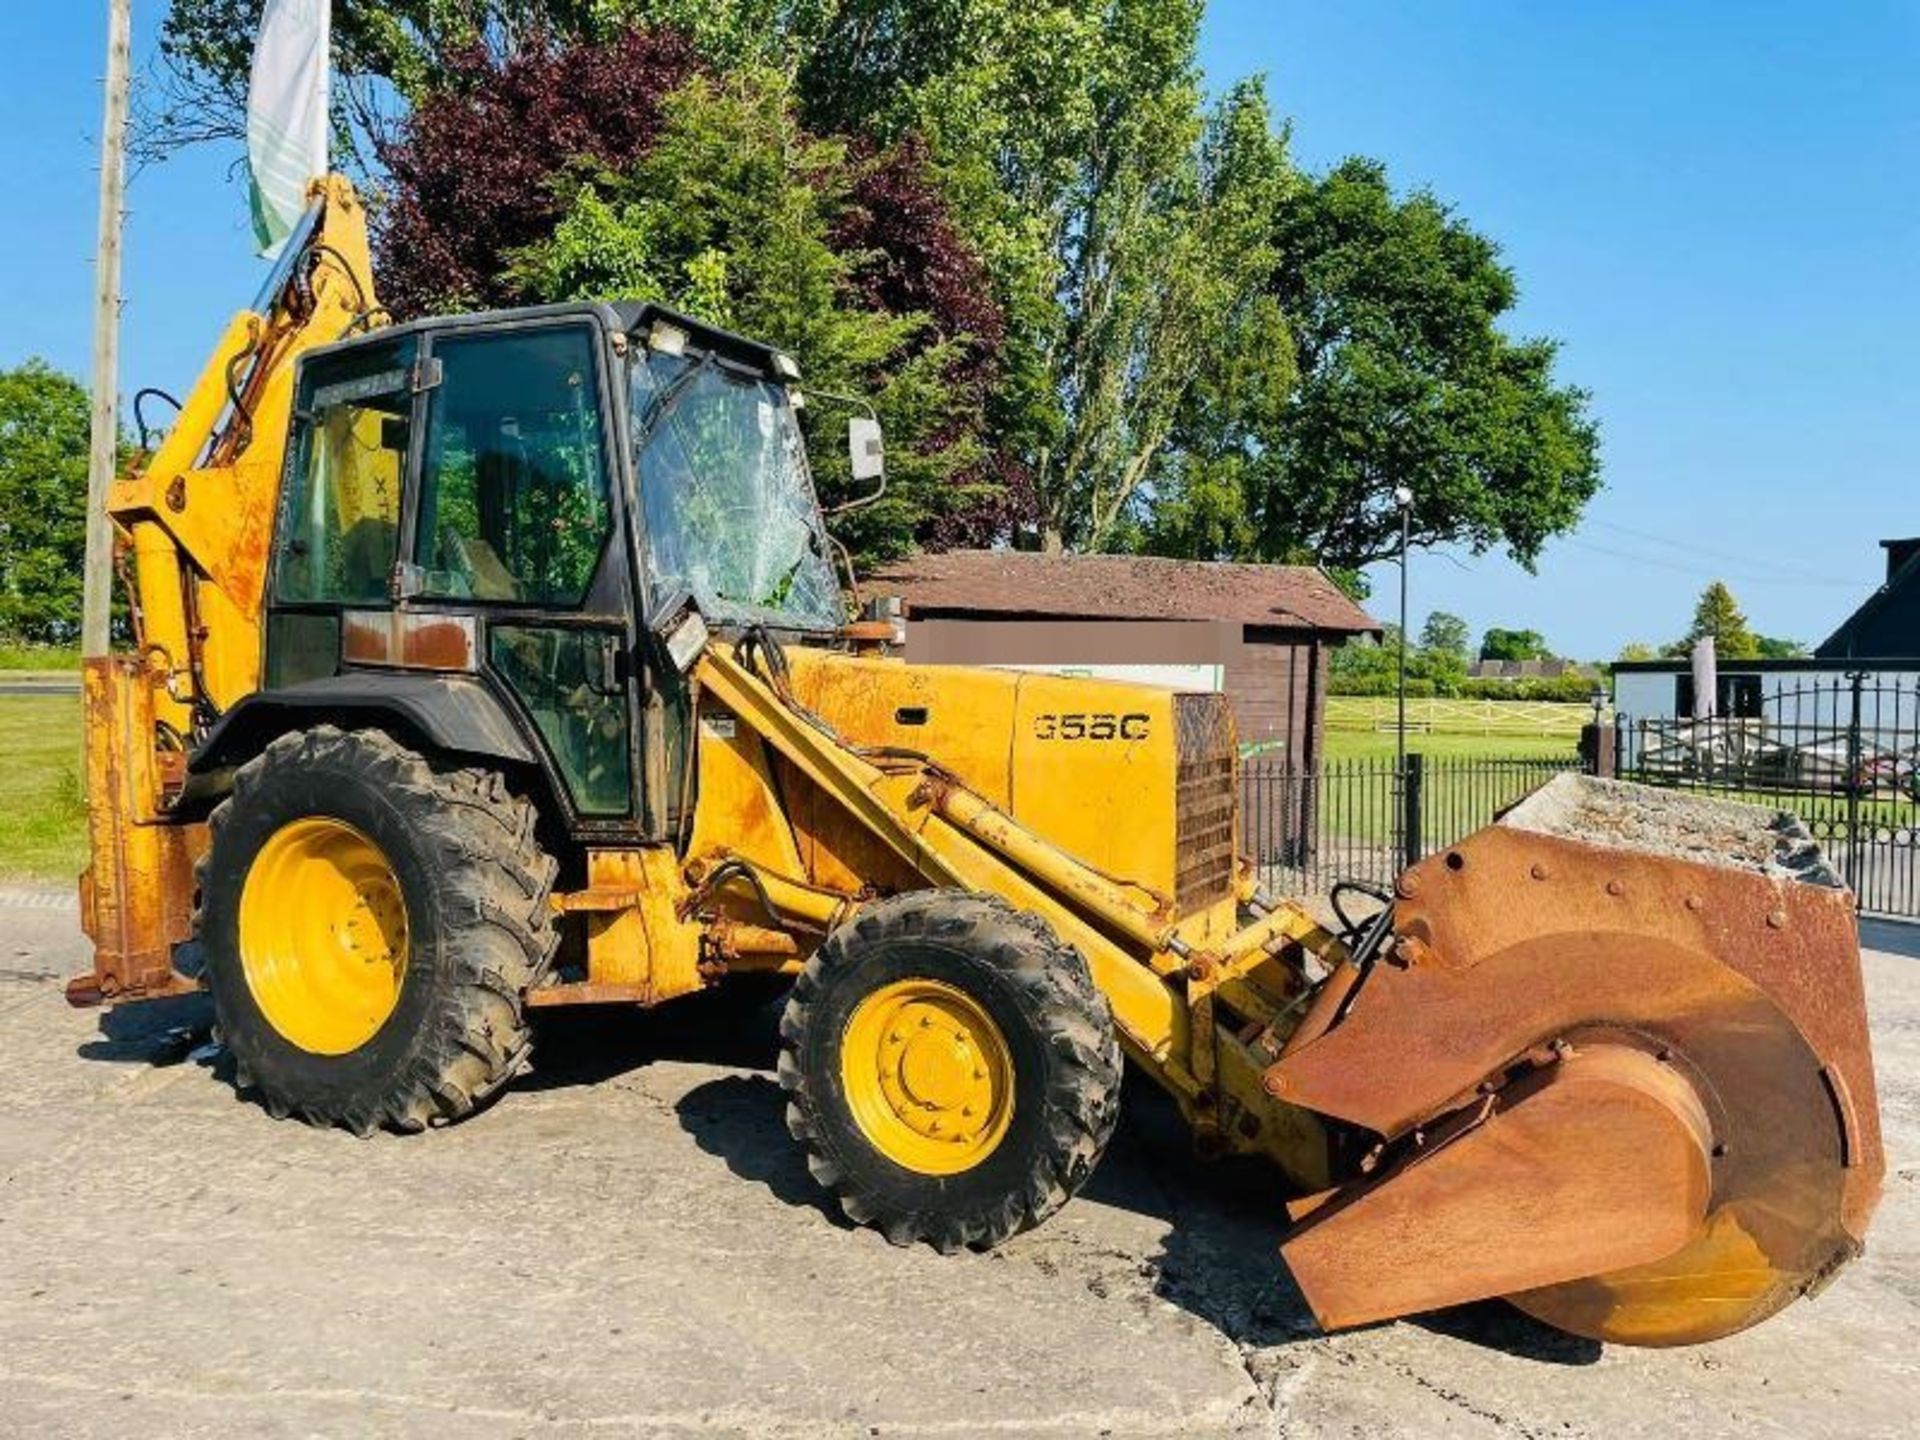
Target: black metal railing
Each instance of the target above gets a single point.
(1368, 819)
(1841, 751)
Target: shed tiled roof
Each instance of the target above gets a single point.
(1119, 587)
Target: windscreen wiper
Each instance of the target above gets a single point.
(664, 402)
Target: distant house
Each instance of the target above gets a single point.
(1887, 624)
(1880, 640)
(1260, 634)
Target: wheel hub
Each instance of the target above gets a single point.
(928, 1076)
(323, 935)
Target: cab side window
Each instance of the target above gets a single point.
(514, 502)
(340, 516)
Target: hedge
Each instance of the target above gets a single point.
(1569, 689)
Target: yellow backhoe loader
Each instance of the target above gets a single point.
(497, 662)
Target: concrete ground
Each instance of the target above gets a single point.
(629, 1243)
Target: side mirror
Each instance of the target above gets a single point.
(865, 449)
(868, 458)
(682, 631)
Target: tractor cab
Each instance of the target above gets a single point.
(497, 507)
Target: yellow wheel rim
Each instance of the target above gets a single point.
(323, 935)
(928, 1076)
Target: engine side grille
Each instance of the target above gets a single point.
(1204, 802)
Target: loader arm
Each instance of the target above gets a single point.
(1160, 986)
(1623, 1082)
(196, 520)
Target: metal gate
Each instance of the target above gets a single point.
(1842, 752)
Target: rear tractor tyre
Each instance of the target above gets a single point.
(951, 1068)
(370, 923)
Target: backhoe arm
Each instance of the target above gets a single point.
(197, 520)
(199, 515)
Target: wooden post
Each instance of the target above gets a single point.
(96, 607)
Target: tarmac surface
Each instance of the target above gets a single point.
(629, 1243)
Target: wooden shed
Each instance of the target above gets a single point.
(1261, 634)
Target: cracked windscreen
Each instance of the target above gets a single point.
(729, 503)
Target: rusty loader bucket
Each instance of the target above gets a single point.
(1613, 1065)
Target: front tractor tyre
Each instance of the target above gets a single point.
(951, 1068)
(370, 923)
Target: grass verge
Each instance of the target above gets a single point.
(39, 657)
(42, 813)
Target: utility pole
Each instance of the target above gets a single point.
(96, 607)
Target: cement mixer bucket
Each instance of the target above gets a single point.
(1616, 1062)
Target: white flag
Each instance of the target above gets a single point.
(287, 115)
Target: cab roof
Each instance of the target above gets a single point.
(635, 318)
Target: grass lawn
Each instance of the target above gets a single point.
(1362, 728)
(42, 819)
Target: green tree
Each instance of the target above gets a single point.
(1128, 233)
(1638, 650)
(387, 54)
(1368, 657)
(44, 418)
(1405, 377)
(1122, 232)
(1446, 634)
(1166, 275)
(1006, 94)
(1365, 667)
(1125, 229)
(1499, 644)
(730, 215)
(1718, 614)
(1773, 647)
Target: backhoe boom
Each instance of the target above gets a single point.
(196, 519)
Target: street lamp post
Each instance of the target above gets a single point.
(1403, 500)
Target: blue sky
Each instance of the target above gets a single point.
(1715, 207)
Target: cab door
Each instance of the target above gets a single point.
(516, 520)
(340, 508)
